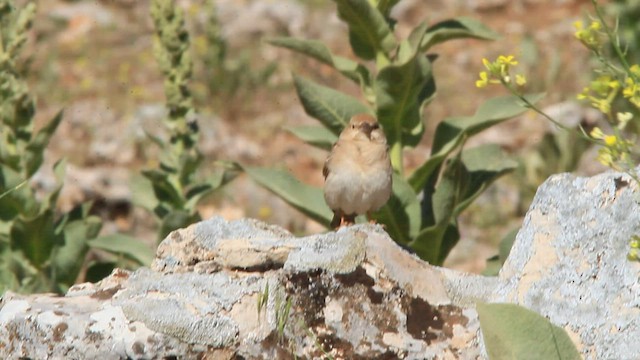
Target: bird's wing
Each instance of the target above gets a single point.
(325, 168)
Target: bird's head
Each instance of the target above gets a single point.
(367, 125)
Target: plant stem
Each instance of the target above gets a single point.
(612, 38)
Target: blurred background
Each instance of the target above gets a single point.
(94, 59)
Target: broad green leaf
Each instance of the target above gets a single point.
(434, 243)
(17, 196)
(385, 6)
(314, 135)
(483, 165)
(440, 232)
(331, 107)
(400, 94)
(458, 28)
(318, 50)
(224, 172)
(307, 199)
(68, 258)
(35, 150)
(401, 215)
(34, 237)
(163, 188)
(369, 32)
(513, 332)
(142, 192)
(124, 245)
(76, 227)
(410, 47)
(451, 132)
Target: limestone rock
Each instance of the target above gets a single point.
(245, 289)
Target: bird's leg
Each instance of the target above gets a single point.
(338, 219)
(349, 220)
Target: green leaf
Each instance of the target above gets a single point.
(142, 192)
(440, 231)
(305, 198)
(17, 198)
(513, 332)
(483, 165)
(401, 92)
(35, 150)
(164, 189)
(318, 50)
(124, 245)
(434, 243)
(331, 107)
(451, 132)
(369, 33)
(410, 47)
(317, 136)
(401, 215)
(385, 6)
(34, 237)
(458, 28)
(76, 227)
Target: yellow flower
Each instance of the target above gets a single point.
(584, 94)
(623, 119)
(578, 25)
(484, 80)
(590, 36)
(521, 80)
(506, 60)
(597, 133)
(610, 140)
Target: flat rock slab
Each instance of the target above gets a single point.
(245, 289)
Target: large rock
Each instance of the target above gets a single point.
(244, 289)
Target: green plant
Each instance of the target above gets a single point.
(171, 191)
(40, 250)
(511, 331)
(396, 88)
(282, 310)
(615, 89)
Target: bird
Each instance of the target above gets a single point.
(357, 172)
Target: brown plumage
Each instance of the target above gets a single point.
(358, 171)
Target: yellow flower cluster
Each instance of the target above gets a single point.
(498, 72)
(590, 36)
(631, 89)
(616, 150)
(601, 92)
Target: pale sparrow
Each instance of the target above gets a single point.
(358, 171)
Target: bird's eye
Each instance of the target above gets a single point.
(375, 126)
(353, 126)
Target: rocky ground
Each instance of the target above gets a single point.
(94, 59)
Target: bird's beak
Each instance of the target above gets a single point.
(367, 128)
